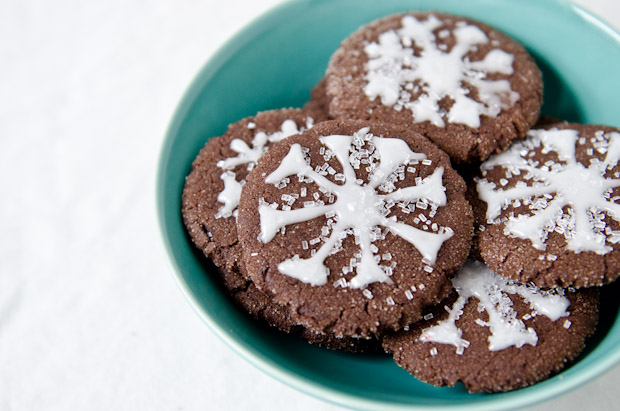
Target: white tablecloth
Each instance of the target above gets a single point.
(90, 317)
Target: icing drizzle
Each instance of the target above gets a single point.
(476, 280)
(564, 196)
(356, 208)
(250, 156)
(396, 74)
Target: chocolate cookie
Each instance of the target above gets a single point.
(496, 335)
(318, 98)
(212, 189)
(222, 163)
(547, 208)
(263, 308)
(354, 226)
(466, 86)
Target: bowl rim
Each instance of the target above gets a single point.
(297, 381)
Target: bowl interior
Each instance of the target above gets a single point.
(273, 63)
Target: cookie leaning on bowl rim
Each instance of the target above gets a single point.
(468, 87)
(354, 251)
(210, 198)
(213, 187)
(545, 210)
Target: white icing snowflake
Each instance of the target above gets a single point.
(356, 207)
(476, 280)
(250, 156)
(396, 74)
(584, 191)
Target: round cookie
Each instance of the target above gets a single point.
(546, 209)
(466, 86)
(212, 189)
(496, 335)
(364, 236)
(214, 231)
(263, 308)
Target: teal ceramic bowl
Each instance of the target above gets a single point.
(273, 63)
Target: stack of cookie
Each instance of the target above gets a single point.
(345, 222)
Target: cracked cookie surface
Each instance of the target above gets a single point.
(355, 226)
(466, 86)
(546, 209)
(219, 170)
(212, 226)
(502, 337)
